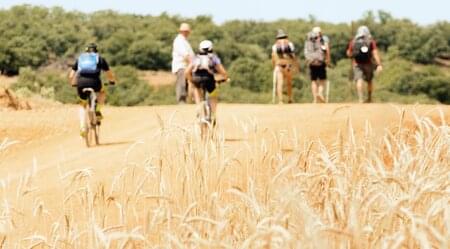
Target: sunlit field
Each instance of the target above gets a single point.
(269, 189)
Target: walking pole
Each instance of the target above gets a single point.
(327, 92)
(351, 72)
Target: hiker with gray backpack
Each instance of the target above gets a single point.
(317, 55)
(366, 61)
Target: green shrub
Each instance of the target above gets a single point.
(251, 74)
(403, 78)
(130, 90)
(49, 84)
(164, 95)
(235, 94)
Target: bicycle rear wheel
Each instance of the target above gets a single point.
(91, 135)
(205, 120)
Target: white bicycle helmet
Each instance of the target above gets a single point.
(206, 46)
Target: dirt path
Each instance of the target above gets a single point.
(50, 141)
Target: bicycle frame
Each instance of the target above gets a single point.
(204, 115)
(206, 107)
(205, 118)
(92, 101)
(92, 127)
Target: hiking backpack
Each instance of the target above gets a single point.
(203, 62)
(362, 49)
(283, 47)
(88, 63)
(315, 50)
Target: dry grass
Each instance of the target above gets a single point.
(157, 78)
(361, 192)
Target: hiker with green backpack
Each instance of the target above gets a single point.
(366, 61)
(317, 55)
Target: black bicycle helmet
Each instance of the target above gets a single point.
(91, 47)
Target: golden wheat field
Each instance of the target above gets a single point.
(292, 176)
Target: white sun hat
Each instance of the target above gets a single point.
(185, 27)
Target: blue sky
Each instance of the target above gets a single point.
(421, 11)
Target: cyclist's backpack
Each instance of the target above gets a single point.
(283, 47)
(315, 50)
(362, 49)
(88, 63)
(203, 62)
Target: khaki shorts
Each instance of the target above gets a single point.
(363, 72)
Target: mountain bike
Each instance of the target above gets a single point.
(205, 121)
(92, 123)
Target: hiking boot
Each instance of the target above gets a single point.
(320, 99)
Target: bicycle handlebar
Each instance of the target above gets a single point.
(111, 83)
(223, 80)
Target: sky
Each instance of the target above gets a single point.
(421, 11)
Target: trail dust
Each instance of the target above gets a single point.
(47, 143)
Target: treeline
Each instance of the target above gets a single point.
(36, 36)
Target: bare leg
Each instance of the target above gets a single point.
(280, 81)
(314, 90)
(190, 92)
(213, 102)
(274, 82)
(101, 97)
(320, 87)
(197, 95)
(197, 92)
(289, 86)
(359, 89)
(369, 91)
(82, 118)
(317, 91)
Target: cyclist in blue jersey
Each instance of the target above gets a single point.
(85, 73)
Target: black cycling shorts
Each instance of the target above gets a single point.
(318, 72)
(84, 95)
(204, 81)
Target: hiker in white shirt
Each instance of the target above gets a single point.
(182, 55)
